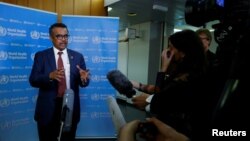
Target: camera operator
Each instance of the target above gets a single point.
(232, 34)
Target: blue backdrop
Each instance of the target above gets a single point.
(23, 32)
(97, 39)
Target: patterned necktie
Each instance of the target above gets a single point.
(62, 83)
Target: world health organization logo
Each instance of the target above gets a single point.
(3, 31)
(96, 59)
(32, 56)
(3, 55)
(34, 98)
(95, 78)
(96, 40)
(4, 102)
(35, 35)
(5, 125)
(70, 39)
(4, 79)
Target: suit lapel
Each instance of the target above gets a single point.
(72, 64)
(51, 59)
(71, 57)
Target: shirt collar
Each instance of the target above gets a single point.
(57, 50)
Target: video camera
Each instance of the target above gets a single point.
(232, 34)
(233, 17)
(199, 12)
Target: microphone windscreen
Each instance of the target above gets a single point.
(121, 83)
(67, 109)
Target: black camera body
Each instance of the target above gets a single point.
(234, 22)
(199, 12)
(232, 34)
(147, 129)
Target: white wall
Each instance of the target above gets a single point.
(123, 57)
(141, 55)
(139, 59)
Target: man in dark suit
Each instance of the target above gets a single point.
(48, 75)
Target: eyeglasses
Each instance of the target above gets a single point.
(60, 36)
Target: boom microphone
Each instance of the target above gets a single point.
(67, 109)
(121, 83)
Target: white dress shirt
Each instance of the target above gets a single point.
(66, 64)
(147, 108)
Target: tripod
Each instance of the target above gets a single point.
(64, 112)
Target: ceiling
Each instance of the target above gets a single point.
(169, 11)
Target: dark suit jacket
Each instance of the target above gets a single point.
(175, 102)
(44, 63)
